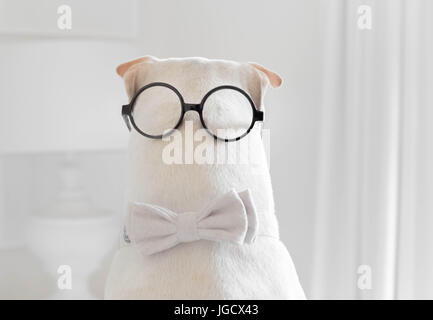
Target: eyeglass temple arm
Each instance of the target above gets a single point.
(126, 111)
(258, 115)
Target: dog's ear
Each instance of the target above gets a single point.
(274, 79)
(265, 79)
(129, 71)
(121, 69)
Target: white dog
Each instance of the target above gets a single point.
(202, 269)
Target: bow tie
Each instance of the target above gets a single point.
(231, 217)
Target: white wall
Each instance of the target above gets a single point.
(60, 94)
(58, 88)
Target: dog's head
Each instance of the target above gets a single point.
(157, 110)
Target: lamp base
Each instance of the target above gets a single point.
(72, 235)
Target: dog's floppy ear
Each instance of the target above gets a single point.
(121, 69)
(130, 74)
(266, 78)
(274, 79)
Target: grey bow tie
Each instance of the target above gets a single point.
(231, 217)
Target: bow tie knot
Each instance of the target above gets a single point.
(187, 227)
(231, 217)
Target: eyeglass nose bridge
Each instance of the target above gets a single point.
(192, 107)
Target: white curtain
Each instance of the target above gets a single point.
(375, 185)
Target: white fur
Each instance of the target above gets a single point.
(202, 269)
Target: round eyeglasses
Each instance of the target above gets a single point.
(227, 112)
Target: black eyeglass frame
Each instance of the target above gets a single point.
(128, 109)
